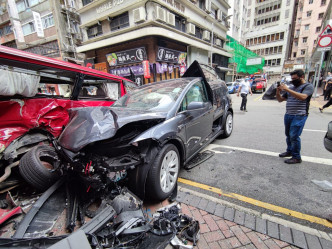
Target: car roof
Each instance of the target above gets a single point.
(32, 62)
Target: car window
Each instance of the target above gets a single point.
(196, 93)
(104, 90)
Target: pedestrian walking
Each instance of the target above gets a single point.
(323, 82)
(329, 82)
(298, 99)
(244, 89)
(328, 89)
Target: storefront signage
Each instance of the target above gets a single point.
(108, 5)
(171, 56)
(127, 71)
(254, 61)
(126, 57)
(146, 69)
(176, 5)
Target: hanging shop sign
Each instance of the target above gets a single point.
(171, 56)
(182, 69)
(128, 71)
(146, 69)
(126, 57)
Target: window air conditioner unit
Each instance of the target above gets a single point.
(139, 15)
(219, 15)
(171, 19)
(160, 14)
(206, 35)
(208, 6)
(191, 28)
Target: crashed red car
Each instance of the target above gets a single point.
(35, 93)
(259, 85)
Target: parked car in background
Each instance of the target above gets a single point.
(35, 93)
(232, 86)
(258, 85)
(145, 137)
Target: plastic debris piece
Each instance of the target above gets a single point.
(325, 185)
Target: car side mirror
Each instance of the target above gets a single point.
(195, 105)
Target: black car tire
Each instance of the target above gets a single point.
(154, 188)
(227, 125)
(37, 167)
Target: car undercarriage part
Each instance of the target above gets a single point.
(8, 170)
(6, 214)
(198, 159)
(22, 228)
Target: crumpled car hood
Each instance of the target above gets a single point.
(91, 124)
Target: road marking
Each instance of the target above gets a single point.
(270, 153)
(314, 130)
(258, 203)
(259, 97)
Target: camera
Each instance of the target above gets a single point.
(278, 83)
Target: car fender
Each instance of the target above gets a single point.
(23, 144)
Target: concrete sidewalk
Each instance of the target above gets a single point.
(227, 227)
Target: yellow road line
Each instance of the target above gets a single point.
(261, 204)
(259, 97)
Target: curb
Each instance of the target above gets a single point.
(289, 232)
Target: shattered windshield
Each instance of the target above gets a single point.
(156, 97)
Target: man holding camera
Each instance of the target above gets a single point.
(298, 98)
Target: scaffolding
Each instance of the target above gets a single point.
(240, 57)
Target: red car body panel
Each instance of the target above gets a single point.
(20, 114)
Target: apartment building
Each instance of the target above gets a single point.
(125, 37)
(308, 26)
(45, 27)
(237, 19)
(269, 26)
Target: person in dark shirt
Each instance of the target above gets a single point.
(298, 98)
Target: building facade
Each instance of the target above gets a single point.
(269, 26)
(308, 25)
(45, 27)
(237, 19)
(128, 37)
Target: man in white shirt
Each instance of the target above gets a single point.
(244, 89)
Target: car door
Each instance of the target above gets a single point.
(198, 124)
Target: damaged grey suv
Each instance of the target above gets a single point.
(142, 140)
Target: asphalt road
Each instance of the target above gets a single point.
(247, 162)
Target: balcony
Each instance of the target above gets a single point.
(4, 18)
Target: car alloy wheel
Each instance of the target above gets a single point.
(169, 171)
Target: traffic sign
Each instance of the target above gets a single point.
(325, 41)
(327, 31)
(324, 49)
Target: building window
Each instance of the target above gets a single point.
(85, 2)
(28, 28)
(320, 16)
(288, 2)
(317, 29)
(323, 2)
(6, 30)
(297, 32)
(306, 27)
(296, 43)
(198, 32)
(305, 39)
(311, 1)
(309, 13)
(20, 5)
(48, 21)
(120, 22)
(287, 14)
(94, 31)
(302, 51)
(294, 54)
(201, 4)
(180, 23)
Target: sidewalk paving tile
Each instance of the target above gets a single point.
(239, 217)
(242, 237)
(273, 229)
(229, 214)
(210, 222)
(220, 210)
(188, 198)
(211, 207)
(326, 244)
(261, 226)
(285, 234)
(271, 244)
(180, 196)
(256, 240)
(250, 221)
(299, 239)
(313, 242)
(195, 201)
(203, 203)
